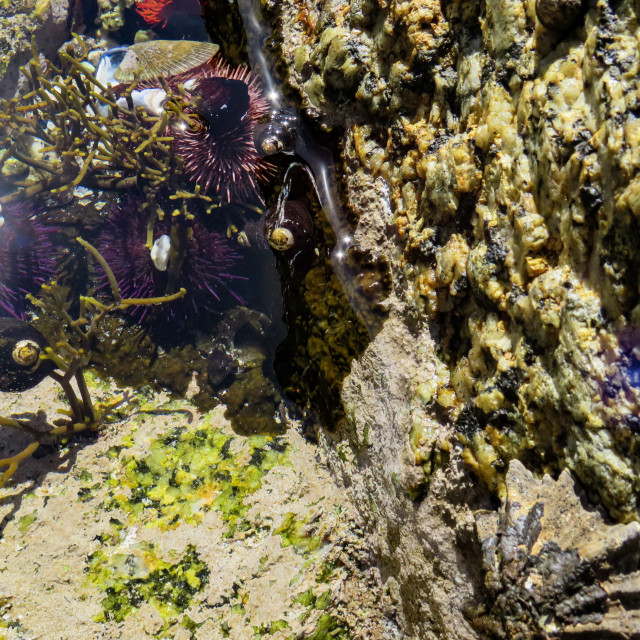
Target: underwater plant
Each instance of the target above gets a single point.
(207, 260)
(115, 128)
(70, 129)
(26, 359)
(27, 256)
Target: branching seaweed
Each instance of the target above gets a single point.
(71, 130)
(71, 355)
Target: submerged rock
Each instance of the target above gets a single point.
(47, 21)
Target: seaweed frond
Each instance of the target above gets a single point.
(71, 130)
(71, 354)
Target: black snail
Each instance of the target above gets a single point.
(559, 15)
(21, 366)
(279, 134)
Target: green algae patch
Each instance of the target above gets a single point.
(187, 473)
(6, 621)
(26, 521)
(294, 534)
(329, 628)
(130, 579)
(269, 628)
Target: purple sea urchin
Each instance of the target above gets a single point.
(26, 257)
(218, 143)
(205, 273)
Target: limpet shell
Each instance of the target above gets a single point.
(162, 58)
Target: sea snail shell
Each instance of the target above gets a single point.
(291, 228)
(279, 134)
(559, 15)
(20, 364)
(280, 238)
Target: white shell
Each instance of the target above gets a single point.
(281, 239)
(160, 252)
(109, 61)
(151, 100)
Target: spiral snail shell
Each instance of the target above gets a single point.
(290, 229)
(20, 364)
(279, 134)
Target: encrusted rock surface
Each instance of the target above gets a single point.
(493, 163)
(169, 525)
(48, 21)
(553, 567)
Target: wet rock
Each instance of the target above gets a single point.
(111, 13)
(559, 15)
(492, 164)
(49, 22)
(556, 567)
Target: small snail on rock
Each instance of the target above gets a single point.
(20, 364)
(559, 15)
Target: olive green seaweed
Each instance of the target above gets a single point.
(129, 579)
(71, 130)
(71, 355)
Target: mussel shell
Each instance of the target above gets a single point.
(13, 375)
(292, 236)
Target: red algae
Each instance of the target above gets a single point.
(158, 12)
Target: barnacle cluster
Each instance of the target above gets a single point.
(553, 568)
(111, 13)
(514, 201)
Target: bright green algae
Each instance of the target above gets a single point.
(187, 473)
(293, 535)
(129, 579)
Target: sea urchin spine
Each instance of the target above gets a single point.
(27, 257)
(206, 271)
(218, 144)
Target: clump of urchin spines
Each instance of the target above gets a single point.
(27, 256)
(216, 138)
(207, 259)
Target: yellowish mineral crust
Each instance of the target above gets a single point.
(509, 136)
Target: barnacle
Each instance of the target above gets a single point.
(554, 568)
